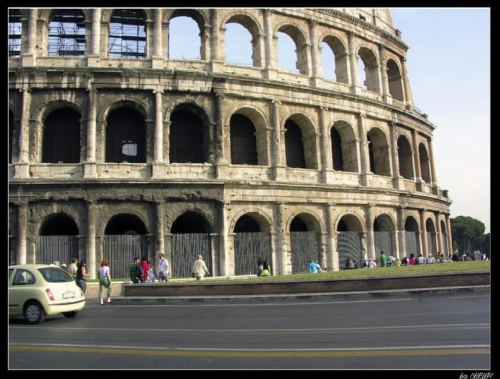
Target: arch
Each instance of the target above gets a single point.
(298, 36)
(305, 241)
(349, 223)
(395, 80)
(57, 240)
(125, 224)
(58, 224)
(259, 122)
(243, 141)
(243, 28)
(300, 142)
(190, 222)
(189, 134)
(405, 158)
(125, 135)
(444, 240)
(378, 148)
(371, 71)
(412, 236)
(384, 235)
(345, 149)
(431, 237)
(338, 48)
(424, 163)
(127, 34)
(67, 33)
(350, 244)
(15, 33)
(61, 136)
(188, 43)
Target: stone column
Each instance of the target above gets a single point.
(90, 165)
(21, 167)
(326, 148)
(433, 168)
(383, 74)
(158, 160)
(22, 231)
(406, 83)
(416, 160)
(223, 237)
(277, 140)
(159, 217)
(363, 150)
(314, 51)
(157, 57)
(91, 240)
(353, 62)
(29, 57)
(281, 256)
(439, 236)
(423, 233)
(221, 163)
(332, 255)
(396, 178)
(271, 70)
(369, 231)
(402, 233)
(93, 59)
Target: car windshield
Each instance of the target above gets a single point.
(55, 275)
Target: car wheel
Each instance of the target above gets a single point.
(70, 314)
(33, 313)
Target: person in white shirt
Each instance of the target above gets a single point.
(163, 268)
(73, 268)
(371, 263)
(199, 268)
(430, 259)
(420, 260)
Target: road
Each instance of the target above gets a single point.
(424, 332)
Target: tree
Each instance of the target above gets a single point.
(465, 231)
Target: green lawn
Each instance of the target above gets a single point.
(360, 273)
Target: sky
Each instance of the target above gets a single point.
(448, 64)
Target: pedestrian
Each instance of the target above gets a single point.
(135, 272)
(73, 268)
(82, 276)
(163, 268)
(260, 262)
(349, 265)
(430, 259)
(105, 289)
(144, 268)
(199, 268)
(313, 267)
(383, 259)
(266, 269)
(420, 260)
(371, 263)
(411, 260)
(151, 271)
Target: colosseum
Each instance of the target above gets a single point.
(117, 150)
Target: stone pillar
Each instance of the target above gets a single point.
(21, 167)
(353, 62)
(396, 178)
(449, 239)
(271, 70)
(369, 231)
(90, 165)
(326, 148)
(91, 240)
(159, 226)
(29, 57)
(158, 160)
(433, 168)
(423, 233)
(223, 236)
(314, 51)
(277, 140)
(439, 236)
(22, 231)
(93, 59)
(221, 163)
(157, 56)
(332, 255)
(406, 83)
(281, 256)
(383, 74)
(416, 160)
(363, 150)
(402, 233)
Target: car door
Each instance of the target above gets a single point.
(21, 287)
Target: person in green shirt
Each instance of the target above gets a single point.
(134, 272)
(383, 259)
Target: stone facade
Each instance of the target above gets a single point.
(360, 160)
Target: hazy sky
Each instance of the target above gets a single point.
(449, 70)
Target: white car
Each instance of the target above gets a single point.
(39, 290)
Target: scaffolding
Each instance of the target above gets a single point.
(127, 37)
(67, 34)
(15, 28)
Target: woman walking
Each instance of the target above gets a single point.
(104, 281)
(82, 276)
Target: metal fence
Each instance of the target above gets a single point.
(248, 247)
(305, 247)
(411, 244)
(431, 243)
(383, 242)
(121, 251)
(349, 246)
(185, 249)
(62, 249)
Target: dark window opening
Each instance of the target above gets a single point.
(246, 224)
(125, 137)
(127, 36)
(67, 34)
(298, 225)
(294, 146)
(61, 138)
(15, 29)
(371, 155)
(190, 222)
(338, 160)
(361, 17)
(243, 143)
(125, 224)
(186, 138)
(59, 225)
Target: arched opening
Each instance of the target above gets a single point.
(378, 150)
(184, 41)
(328, 62)
(57, 240)
(243, 141)
(412, 237)
(431, 237)
(333, 48)
(15, 32)
(67, 33)
(349, 240)
(251, 242)
(305, 243)
(190, 237)
(395, 80)
(238, 44)
(294, 145)
(384, 236)
(126, 136)
(287, 55)
(424, 163)
(127, 34)
(405, 158)
(368, 67)
(124, 240)
(61, 137)
(188, 137)
(337, 155)
(11, 136)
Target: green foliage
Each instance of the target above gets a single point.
(465, 231)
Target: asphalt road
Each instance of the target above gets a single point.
(414, 333)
